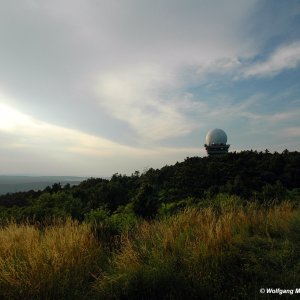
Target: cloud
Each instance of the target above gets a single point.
(139, 53)
(220, 66)
(113, 80)
(28, 143)
(284, 58)
(143, 96)
(28, 132)
(291, 132)
(251, 109)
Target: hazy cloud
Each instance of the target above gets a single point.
(136, 82)
(144, 97)
(21, 134)
(291, 132)
(286, 57)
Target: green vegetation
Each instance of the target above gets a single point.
(204, 254)
(226, 251)
(206, 228)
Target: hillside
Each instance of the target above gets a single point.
(250, 175)
(205, 228)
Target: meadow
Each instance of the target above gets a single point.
(223, 248)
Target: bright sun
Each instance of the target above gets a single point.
(10, 118)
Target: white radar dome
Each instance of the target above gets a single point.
(216, 137)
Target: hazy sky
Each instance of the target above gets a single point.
(92, 88)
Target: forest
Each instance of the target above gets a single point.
(250, 175)
(206, 228)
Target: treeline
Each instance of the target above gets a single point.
(255, 176)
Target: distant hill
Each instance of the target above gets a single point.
(13, 184)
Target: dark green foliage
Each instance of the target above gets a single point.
(262, 177)
(170, 255)
(108, 226)
(145, 202)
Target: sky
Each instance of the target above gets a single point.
(93, 88)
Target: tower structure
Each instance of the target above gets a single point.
(215, 142)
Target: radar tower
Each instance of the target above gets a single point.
(216, 140)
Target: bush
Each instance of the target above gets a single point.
(205, 254)
(168, 209)
(107, 226)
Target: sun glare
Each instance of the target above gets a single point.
(10, 118)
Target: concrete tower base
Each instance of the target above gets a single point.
(216, 149)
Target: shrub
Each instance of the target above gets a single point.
(109, 226)
(205, 254)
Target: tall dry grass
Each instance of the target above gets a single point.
(194, 254)
(55, 263)
(218, 252)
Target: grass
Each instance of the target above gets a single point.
(206, 255)
(55, 263)
(225, 253)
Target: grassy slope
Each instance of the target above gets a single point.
(197, 254)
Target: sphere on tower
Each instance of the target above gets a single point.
(216, 136)
(216, 140)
